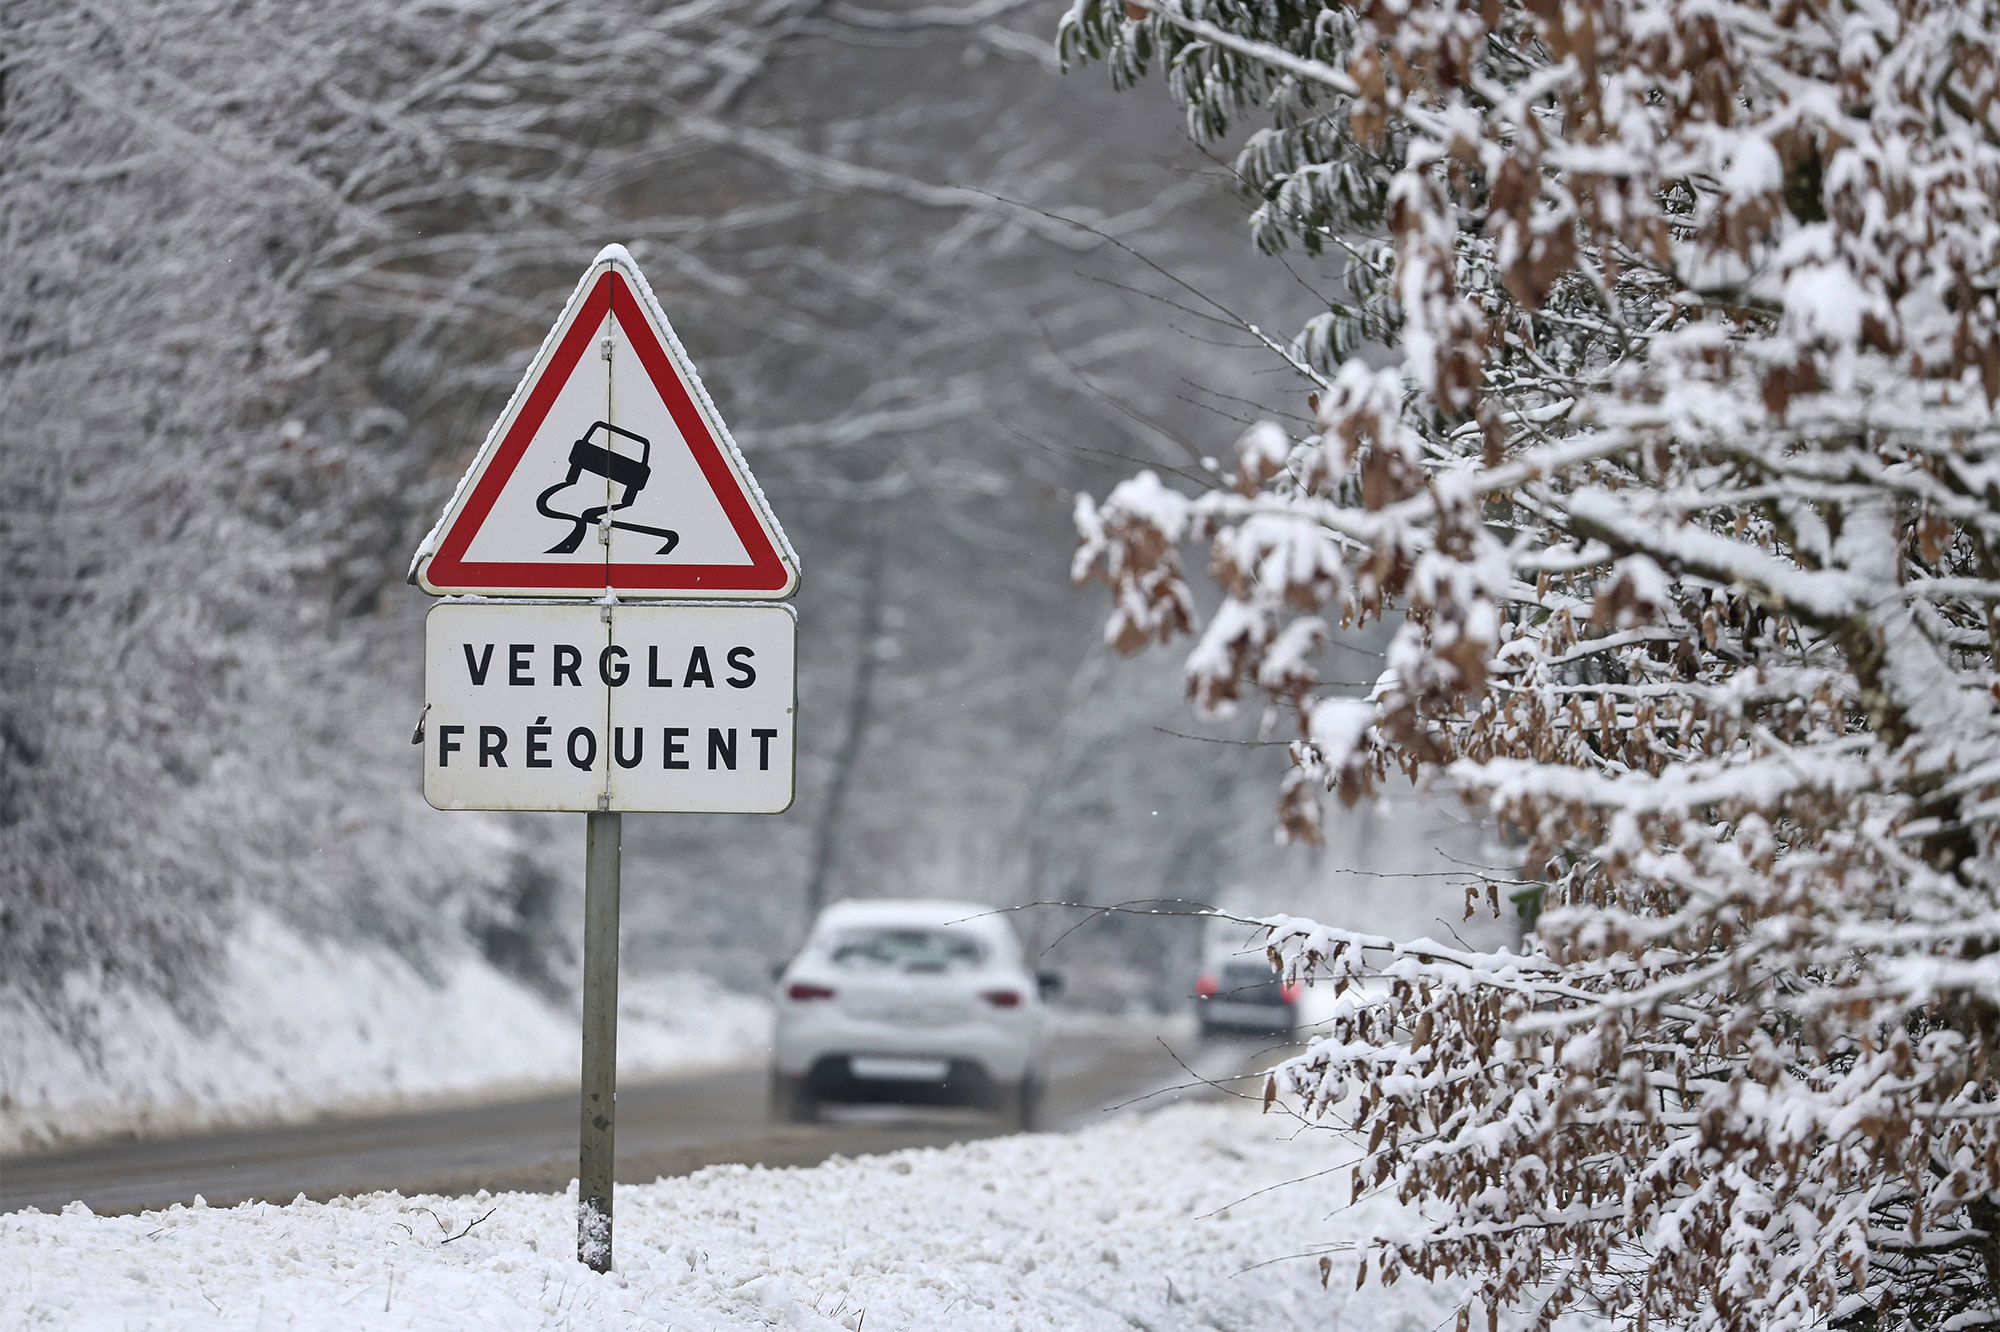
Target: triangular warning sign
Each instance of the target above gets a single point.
(609, 470)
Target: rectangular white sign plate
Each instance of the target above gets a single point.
(659, 707)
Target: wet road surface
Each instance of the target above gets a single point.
(667, 1127)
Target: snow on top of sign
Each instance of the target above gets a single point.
(621, 258)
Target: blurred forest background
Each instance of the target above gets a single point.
(272, 270)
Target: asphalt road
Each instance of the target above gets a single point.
(664, 1128)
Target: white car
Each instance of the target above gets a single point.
(917, 1002)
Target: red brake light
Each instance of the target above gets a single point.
(1291, 992)
(1002, 998)
(1205, 987)
(807, 990)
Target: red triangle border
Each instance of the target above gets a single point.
(450, 571)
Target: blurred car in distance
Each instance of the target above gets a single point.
(1244, 996)
(912, 1002)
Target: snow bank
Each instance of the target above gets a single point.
(1147, 1221)
(304, 1028)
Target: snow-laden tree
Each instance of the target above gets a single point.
(1659, 398)
(223, 267)
(270, 271)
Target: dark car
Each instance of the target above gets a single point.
(1244, 996)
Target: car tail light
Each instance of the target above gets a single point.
(1205, 987)
(807, 990)
(1002, 998)
(1291, 992)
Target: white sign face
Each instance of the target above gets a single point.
(639, 707)
(610, 469)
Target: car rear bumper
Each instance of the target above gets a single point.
(966, 1082)
(1004, 1050)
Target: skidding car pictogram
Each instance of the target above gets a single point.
(620, 470)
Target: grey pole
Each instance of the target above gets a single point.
(600, 1040)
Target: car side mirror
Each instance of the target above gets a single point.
(1049, 983)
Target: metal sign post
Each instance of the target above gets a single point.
(592, 697)
(598, 1131)
(604, 709)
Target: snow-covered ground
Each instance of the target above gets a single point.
(1160, 1221)
(303, 1029)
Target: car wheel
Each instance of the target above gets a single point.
(791, 1103)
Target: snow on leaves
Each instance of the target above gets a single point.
(1137, 534)
(1685, 479)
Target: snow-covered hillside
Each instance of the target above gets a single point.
(302, 1027)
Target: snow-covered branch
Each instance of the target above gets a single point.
(1685, 480)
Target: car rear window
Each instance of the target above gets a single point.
(908, 949)
(1246, 978)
